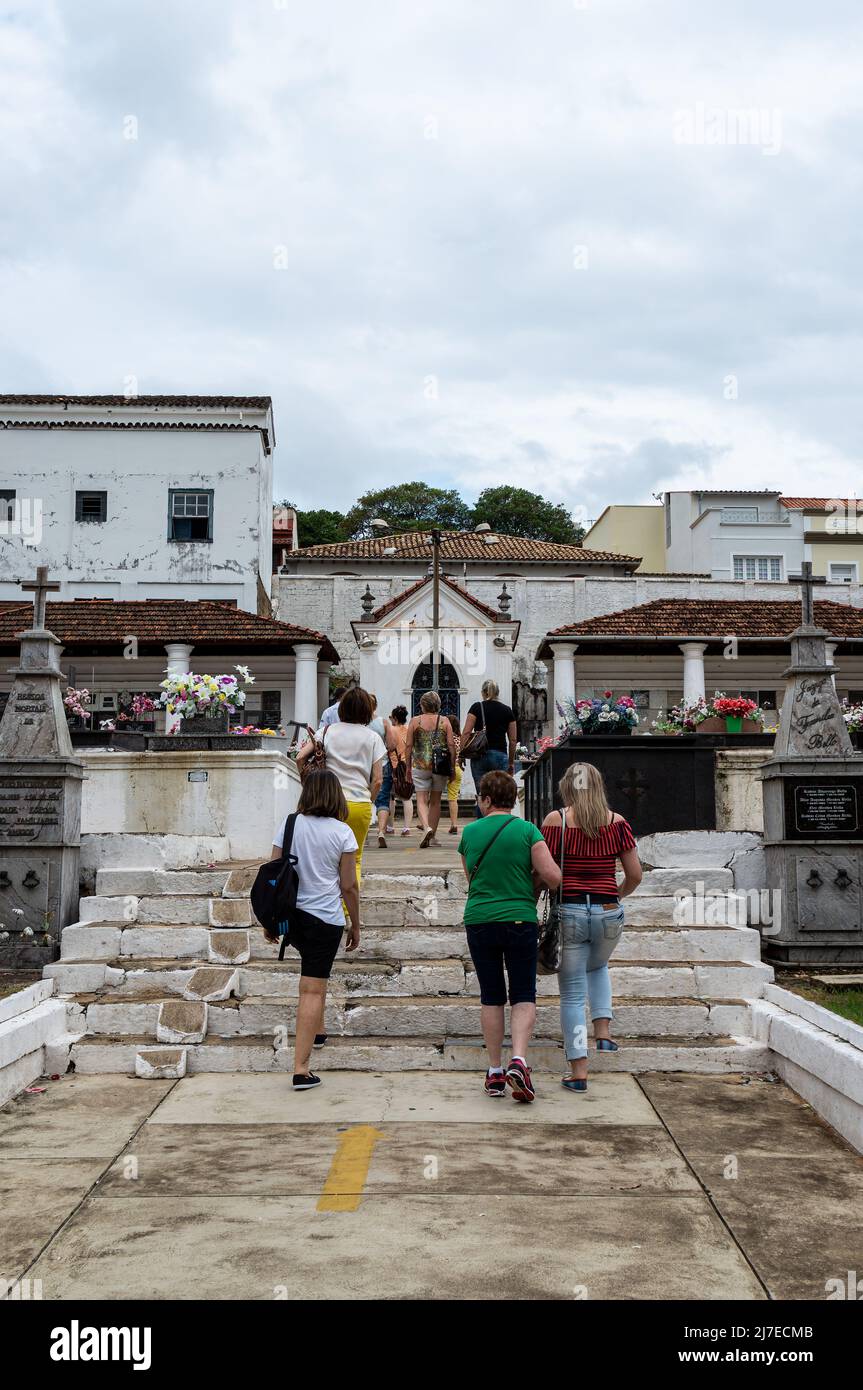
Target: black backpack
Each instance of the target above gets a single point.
(274, 891)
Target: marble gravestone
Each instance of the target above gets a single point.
(40, 800)
(813, 811)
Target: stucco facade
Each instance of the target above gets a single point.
(139, 463)
(632, 530)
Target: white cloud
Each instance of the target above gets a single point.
(428, 170)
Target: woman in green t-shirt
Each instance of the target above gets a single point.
(502, 856)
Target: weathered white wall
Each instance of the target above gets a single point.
(544, 600)
(244, 799)
(129, 556)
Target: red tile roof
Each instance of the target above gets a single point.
(392, 603)
(207, 623)
(461, 545)
(148, 402)
(682, 619)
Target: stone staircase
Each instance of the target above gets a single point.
(169, 975)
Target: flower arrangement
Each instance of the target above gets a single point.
(735, 707)
(600, 715)
(139, 706)
(76, 702)
(853, 716)
(192, 696)
(685, 719)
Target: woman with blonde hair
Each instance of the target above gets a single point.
(595, 838)
(430, 754)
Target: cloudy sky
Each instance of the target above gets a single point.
(470, 241)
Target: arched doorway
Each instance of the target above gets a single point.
(447, 687)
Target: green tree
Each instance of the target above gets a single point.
(318, 526)
(408, 507)
(516, 511)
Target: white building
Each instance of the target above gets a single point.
(733, 535)
(140, 498)
(332, 587)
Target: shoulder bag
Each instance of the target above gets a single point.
(440, 758)
(476, 744)
(317, 759)
(550, 945)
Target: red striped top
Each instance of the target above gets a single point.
(589, 864)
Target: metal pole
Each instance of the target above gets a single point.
(435, 606)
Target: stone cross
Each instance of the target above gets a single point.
(806, 580)
(40, 587)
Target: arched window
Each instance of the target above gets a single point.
(447, 687)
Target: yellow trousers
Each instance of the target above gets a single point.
(359, 820)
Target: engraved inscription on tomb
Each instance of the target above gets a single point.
(29, 806)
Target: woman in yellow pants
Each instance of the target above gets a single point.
(355, 753)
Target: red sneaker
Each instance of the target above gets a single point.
(519, 1082)
(495, 1083)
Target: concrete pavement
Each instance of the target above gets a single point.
(406, 1185)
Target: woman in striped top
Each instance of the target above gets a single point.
(592, 915)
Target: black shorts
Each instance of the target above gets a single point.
(317, 943)
(495, 945)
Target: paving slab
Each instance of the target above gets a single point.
(36, 1197)
(376, 1097)
(415, 1247)
(78, 1117)
(294, 1160)
(789, 1188)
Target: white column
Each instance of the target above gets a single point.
(564, 678)
(693, 671)
(323, 688)
(179, 657)
(830, 650)
(306, 683)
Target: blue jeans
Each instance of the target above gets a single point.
(590, 934)
(492, 760)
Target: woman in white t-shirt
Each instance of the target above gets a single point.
(355, 753)
(326, 849)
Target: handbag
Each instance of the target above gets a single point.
(317, 759)
(440, 758)
(403, 786)
(476, 744)
(550, 943)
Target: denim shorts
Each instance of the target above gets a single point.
(504, 951)
(384, 796)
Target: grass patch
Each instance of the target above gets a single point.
(844, 1000)
(12, 981)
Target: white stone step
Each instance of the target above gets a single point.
(128, 851)
(160, 1063)
(350, 1015)
(146, 883)
(667, 882)
(637, 1055)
